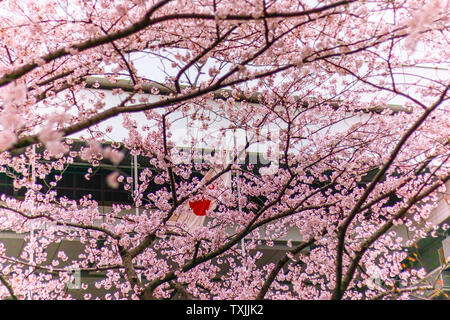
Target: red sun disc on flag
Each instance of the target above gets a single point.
(200, 206)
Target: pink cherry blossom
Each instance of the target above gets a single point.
(114, 155)
(7, 139)
(112, 181)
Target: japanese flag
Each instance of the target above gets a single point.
(193, 212)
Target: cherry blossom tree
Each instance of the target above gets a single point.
(349, 165)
